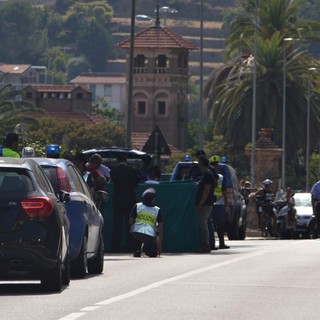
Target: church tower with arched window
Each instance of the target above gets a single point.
(160, 82)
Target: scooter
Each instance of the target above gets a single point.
(286, 220)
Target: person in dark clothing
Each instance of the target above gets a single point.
(146, 225)
(125, 181)
(204, 201)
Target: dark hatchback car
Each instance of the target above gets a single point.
(33, 226)
(86, 248)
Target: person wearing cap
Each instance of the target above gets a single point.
(315, 200)
(204, 202)
(146, 225)
(11, 146)
(219, 210)
(125, 181)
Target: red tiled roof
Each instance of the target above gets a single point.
(14, 68)
(57, 88)
(158, 37)
(99, 79)
(84, 117)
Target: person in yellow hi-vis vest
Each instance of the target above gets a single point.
(146, 225)
(11, 146)
(218, 213)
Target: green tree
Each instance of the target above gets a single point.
(25, 35)
(89, 26)
(14, 110)
(229, 89)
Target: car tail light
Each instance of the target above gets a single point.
(63, 180)
(37, 207)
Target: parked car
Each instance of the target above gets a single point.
(235, 227)
(34, 226)
(135, 158)
(86, 248)
(305, 219)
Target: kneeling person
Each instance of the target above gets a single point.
(146, 225)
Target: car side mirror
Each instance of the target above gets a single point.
(64, 196)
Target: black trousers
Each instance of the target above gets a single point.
(149, 244)
(121, 212)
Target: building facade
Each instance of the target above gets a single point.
(160, 83)
(108, 88)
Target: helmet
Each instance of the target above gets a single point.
(214, 159)
(267, 182)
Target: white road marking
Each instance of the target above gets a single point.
(73, 316)
(91, 308)
(176, 278)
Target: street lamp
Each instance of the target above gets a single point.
(308, 128)
(283, 166)
(130, 77)
(167, 10)
(201, 79)
(254, 99)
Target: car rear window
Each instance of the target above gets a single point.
(57, 178)
(15, 180)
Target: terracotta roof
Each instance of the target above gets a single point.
(57, 88)
(14, 68)
(158, 37)
(92, 79)
(84, 117)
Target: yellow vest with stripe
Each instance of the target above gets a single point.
(7, 152)
(146, 220)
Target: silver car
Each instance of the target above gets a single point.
(305, 219)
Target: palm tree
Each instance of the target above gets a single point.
(14, 110)
(229, 89)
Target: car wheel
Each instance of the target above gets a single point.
(52, 280)
(95, 265)
(79, 264)
(66, 272)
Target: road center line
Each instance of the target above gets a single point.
(178, 277)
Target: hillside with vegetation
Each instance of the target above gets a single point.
(186, 22)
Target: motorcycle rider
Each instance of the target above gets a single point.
(266, 199)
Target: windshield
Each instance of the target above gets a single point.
(302, 201)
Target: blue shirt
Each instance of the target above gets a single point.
(315, 190)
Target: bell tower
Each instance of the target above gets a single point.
(160, 82)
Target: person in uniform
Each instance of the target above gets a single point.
(146, 225)
(11, 146)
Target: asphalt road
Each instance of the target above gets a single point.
(255, 279)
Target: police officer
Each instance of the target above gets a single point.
(217, 217)
(146, 225)
(11, 146)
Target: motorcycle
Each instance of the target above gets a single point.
(286, 220)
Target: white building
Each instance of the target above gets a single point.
(106, 87)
